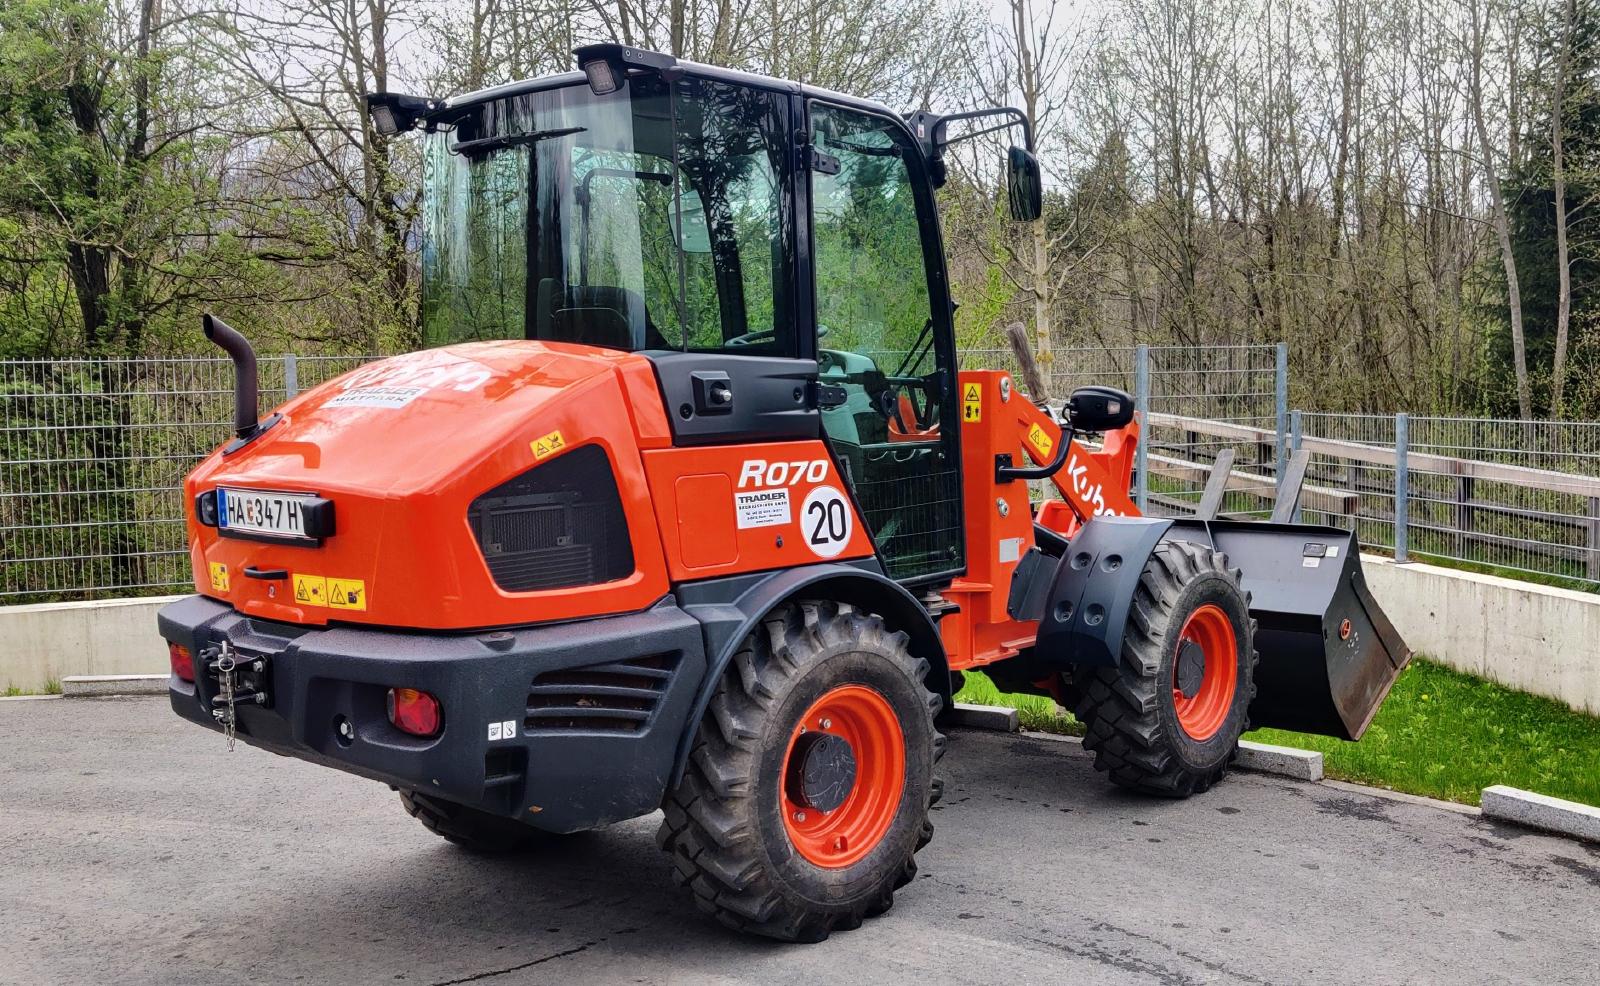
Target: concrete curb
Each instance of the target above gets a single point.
(27, 698)
(994, 717)
(1284, 761)
(1540, 811)
(100, 685)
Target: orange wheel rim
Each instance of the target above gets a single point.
(1203, 713)
(844, 835)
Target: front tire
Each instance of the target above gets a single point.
(807, 791)
(1167, 719)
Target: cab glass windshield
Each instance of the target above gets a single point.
(649, 218)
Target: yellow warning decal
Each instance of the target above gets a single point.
(548, 445)
(347, 594)
(219, 576)
(311, 590)
(971, 402)
(1041, 441)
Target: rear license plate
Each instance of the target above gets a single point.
(267, 512)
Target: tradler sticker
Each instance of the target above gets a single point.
(548, 445)
(219, 576)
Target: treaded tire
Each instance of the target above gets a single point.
(724, 824)
(1129, 710)
(469, 828)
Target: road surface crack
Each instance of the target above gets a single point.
(478, 977)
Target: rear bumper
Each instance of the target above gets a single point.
(562, 773)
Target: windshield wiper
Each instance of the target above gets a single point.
(487, 145)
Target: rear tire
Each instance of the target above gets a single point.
(754, 857)
(1147, 732)
(471, 829)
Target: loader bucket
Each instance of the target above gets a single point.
(1328, 652)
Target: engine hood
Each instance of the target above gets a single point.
(410, 423)
(402, 447)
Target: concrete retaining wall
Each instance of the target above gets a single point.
(49, 641)
(1531, 637)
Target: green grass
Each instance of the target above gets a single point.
(1448, 735)
(51, 687)
(1441, 733)
(1036, 712)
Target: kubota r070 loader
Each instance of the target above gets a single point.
(688, 508)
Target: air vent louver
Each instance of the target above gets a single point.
(616, 697)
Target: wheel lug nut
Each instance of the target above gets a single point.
(799, 816)
(827, 724)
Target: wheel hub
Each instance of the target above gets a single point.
(1191, 668)
(822, 771)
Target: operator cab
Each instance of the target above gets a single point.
(772, 248)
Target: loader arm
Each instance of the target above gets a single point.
(1000, 429)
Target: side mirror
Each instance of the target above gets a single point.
(1023, 185)
(1099, 409)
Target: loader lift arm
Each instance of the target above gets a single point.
(1000, 428)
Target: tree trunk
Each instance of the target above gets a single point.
(1563, 268)
(1502, 224)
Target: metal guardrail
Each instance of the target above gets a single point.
(1519, 497)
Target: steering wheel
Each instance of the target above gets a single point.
(764, 335)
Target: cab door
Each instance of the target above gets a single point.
(884, 337)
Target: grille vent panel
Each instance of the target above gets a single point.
(557, 525)
(614, 697)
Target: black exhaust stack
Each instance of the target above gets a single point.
(246, 382)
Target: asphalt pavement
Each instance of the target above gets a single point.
(135, 849)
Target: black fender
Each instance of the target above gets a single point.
(729, 609)
(1086, 610)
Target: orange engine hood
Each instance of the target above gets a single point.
(402, 447)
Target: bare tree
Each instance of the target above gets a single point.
(1502, 222)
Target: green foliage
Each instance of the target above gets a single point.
(1530, 204)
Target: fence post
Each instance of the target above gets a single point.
(291, 375)
(1280, 390)
(1402, 485)
(1594, 539)
(1141, 401)
(1294, 446)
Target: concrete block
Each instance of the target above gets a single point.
(995, 717)
(1536, 638)
(1284, 761)
(44, 642)
(93, 685)
(1541, 811)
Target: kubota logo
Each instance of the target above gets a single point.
(1091, 494)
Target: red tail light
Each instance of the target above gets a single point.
(415, 712)
(182, 661)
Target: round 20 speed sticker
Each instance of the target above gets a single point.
(826, 521)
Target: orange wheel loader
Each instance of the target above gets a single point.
(685, 507)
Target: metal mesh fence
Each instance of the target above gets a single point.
(1234, 385)
(93, 455)
(92, 459)
(1515, 497)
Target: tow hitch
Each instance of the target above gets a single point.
(239, 680)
